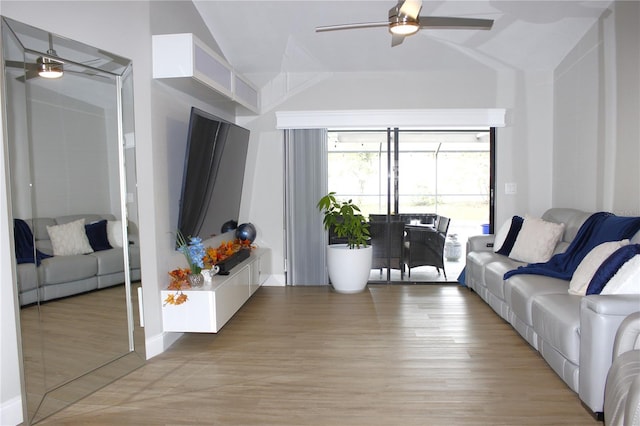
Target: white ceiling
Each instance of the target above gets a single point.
(262, 39)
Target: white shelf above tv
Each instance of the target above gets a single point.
(187, 64)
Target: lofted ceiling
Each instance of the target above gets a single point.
(263, 39)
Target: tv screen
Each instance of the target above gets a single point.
(213, 174)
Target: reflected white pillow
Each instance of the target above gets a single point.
(69, 239)
(537, 240)
(626, 280)
(590, 264)
(114, 233)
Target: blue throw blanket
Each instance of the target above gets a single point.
(599, 228)
(23, 238)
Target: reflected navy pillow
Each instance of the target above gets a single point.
(97, 235)
(610, 266)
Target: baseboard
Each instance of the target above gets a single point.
(11, 412)
(160, 343)
(275, 280)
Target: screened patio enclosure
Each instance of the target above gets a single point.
(415, 177)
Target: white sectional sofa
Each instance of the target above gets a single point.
(67, 275)
(573, 333)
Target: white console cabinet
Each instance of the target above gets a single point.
(208, 308)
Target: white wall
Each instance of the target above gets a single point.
(524, 147)
(597, 117)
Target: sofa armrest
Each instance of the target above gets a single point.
(600, 318)
(628, 335)
(632, 409)
(480, 243)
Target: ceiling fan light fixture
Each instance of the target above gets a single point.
(403, 25)
(49, 68)
(404, 28)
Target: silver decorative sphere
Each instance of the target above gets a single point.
(229, 225)
(246, 231)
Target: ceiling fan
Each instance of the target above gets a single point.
(404, 20)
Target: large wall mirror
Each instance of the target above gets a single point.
(69, 123)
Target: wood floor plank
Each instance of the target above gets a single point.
(392, 355)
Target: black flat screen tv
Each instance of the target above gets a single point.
(213, 175)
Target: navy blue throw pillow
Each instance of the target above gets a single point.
(610, 266)
(514, 230)
(97, 235)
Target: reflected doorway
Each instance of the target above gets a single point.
(415, 177)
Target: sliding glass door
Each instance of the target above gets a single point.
(405, 181)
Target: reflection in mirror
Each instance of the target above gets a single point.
(71, 159)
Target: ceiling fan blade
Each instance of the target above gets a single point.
(352, 26)
(14, 64)
(29, 66)
(411, 8)
(396, 39)
(455, 23)
(28, 75)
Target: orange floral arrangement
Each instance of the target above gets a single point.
(225, 250)
(179, 277)
(178, 282)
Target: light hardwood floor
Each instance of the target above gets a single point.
(392, 355)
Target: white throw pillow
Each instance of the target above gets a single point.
(537, 240)
(590, 264)
(114, 233)
(626, 280)
(69, 239)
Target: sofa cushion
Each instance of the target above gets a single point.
(572, 218)
(523, 289)
(494, 273)
(62, 269)
(109, 261)
(474, 272)
(556, 320)
(27, 276)
(536, 240)
(69, 239)
(88, 218)
(590, 264)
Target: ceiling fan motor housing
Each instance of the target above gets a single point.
(400, 23)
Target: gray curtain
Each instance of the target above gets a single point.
(305, 183)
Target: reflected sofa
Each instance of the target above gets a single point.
(52, 277)
(573, 333)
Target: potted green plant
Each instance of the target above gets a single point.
(349, 264)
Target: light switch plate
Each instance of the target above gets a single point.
(510, 188)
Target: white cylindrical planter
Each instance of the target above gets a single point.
(349, 269)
